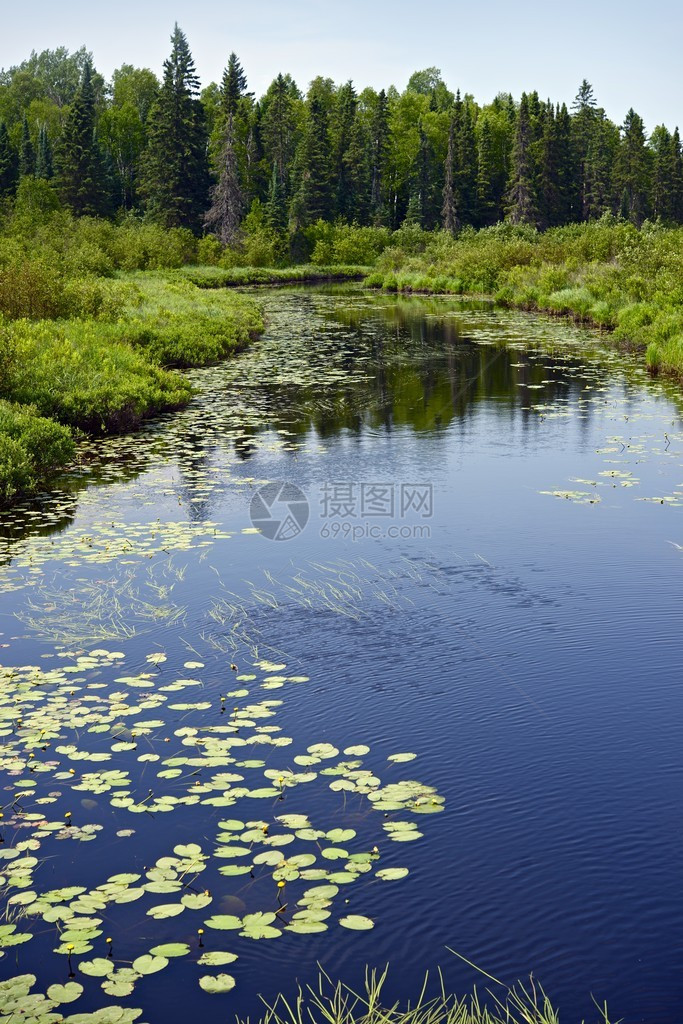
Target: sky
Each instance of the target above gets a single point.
(628, 50)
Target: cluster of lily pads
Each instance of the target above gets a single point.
(66, 732)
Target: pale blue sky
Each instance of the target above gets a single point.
(629, 49)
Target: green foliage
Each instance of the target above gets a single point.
(31, 447)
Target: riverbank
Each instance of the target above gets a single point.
(606, 274)
(219, 277)
(106, 365)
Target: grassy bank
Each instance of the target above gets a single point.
(218, 277)
(608, 274)
(90, 331)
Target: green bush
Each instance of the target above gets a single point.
(31, 447)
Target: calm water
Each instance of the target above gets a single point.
(488, 579)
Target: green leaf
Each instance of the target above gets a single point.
(217, 959)
(216, 986)
(357, 923)
(97, 968)
(68, 993)
(224, 922)
(165, 910)
(392, 874)
(148, 964)
(170, 949)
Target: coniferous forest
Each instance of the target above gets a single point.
(207, 159)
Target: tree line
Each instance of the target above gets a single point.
(204, 160)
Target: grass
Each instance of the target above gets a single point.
(336, 1003)
(608, 274)
(219, 277)
(88, 341)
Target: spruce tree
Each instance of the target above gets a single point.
(598, 168)
(585, 114)
(521, 195)
(82, 178)
(466, 166)
(175, 172)
(341, 130)
(312, 174)
(379, 145)
(227, 199)
(356, 161)
(44, 155)
(632, 171)
(27, 154)
(663, 174)
(233, 85)
(449, 214)
(423, 206)
(9, 168)
(677, 201)
(488, 207)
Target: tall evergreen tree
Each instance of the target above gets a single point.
(678, 177)
(233, 85)
(663, 174)
(584, 118)
(9, 168)
(521, 196)
(449, 214)
(312, 177)
(44, 155)
(423, 206)
(632, 170)
(466, 165)
(598, 169)
(379, 145)
(175, 173)
(487, 199)
(279, 124)
(342, 127)
(227, 200)
(27, 154)
(82, 176)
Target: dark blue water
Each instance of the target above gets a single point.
(517, 628)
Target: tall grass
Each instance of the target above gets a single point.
(337, 1003)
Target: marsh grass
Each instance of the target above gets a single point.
(219, 277)
(336, 1003)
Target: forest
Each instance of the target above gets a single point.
(263, 172)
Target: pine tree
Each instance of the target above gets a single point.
(677, 201)
(663, 174)
(27, 154)
(341, 130)
(379, 145)
(487, 199)
(44, 155)
(521, 195)
(227, 199)
(82, 178)
(312, 174)
(276, 207)
(598, 168)
(8, 164)
(423, 206)
(233, 85)
(632, 170)
(279, 124)
(449, 214)
(175, 173)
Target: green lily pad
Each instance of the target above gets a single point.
(217, 985)
(216, 958)
(170, 949)
(68, 993)
(357, 923)
(149, 964)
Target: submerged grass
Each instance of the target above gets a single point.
(608, 274)
(337, 1003)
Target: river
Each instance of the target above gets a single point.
(390, 615)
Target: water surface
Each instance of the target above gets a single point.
(514, 625)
